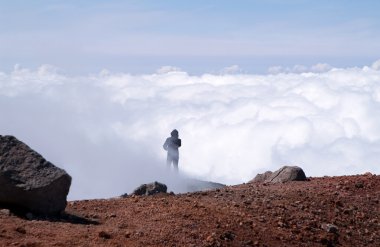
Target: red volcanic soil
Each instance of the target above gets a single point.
(290, 214)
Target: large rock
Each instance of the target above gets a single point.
(30, 182)
(262, 177)
(150, 189)
(192, 185)
(282, 175)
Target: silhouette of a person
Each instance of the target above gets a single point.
(171, 145)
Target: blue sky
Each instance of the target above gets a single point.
(197, 36)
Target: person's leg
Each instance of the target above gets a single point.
(175, 164)
(168, 161)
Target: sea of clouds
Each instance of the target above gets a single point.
(106, 130)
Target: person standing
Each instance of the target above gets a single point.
(171, 145)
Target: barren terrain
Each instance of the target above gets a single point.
(327, 211)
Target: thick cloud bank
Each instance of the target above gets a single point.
(107, 130)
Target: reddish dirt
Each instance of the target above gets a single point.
(290, 214)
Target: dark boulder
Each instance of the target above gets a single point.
(150, 189)
(28, 181)
(282, 175)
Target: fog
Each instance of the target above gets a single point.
(107, 129)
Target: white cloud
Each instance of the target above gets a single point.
(316, 68)
(168, 69)
(321, 67)
(107, 130)
(376, 65)
(233, 69)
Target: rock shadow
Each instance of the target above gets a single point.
(72, 219)
(67, 217)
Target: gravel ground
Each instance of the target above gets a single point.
(327, 211)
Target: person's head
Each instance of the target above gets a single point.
(174, 133)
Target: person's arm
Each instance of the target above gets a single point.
(166, 144)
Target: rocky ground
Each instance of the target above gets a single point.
(328, 211)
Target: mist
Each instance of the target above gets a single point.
(107, 129)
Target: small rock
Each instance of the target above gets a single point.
(150, 189)
(112, 216)
(20, 229)
(228, 235)
(211, 238)
(94, 216)
(123, 226)
(330, 228)
(127, 235)
(248, 243)
(339, 204)
(359, 185)
(105, 235)
(125, 195)
(280, 224)
(247, 202)
(5, 212)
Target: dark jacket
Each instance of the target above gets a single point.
(171, 145)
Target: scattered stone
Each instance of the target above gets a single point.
(125, 195)
(280, 224)
(29, 181)
(5, 212)
(359, 184)
(211, 238)
(112, 216)
(228, 235)
(150, 189)
(123, 226)
(248, 243)
(127, 235)
(330, 228)
(339, 204)
(104, 235)
(262, 219)
(21, 230)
